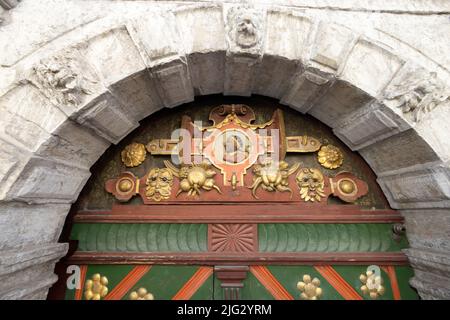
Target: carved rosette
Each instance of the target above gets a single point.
(232, 237)
(133, 154)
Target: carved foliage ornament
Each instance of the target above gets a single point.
(418, 96)
(245, 25)
(63, 79)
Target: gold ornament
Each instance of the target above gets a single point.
(372, 285)
(347, 186)
(311, 184)
(141, 294)
(96, 287)
(194, 177)
(330, 157)
(309, 288)
(125, 185)
(133, 154)
(272, 178)
(159, 184)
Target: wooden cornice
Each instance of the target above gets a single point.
(220, 258)
(238, 213)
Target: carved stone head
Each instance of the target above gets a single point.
(244, 27)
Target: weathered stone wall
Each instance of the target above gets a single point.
(78, 75)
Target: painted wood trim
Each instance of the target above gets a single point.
(221, 258)
(238, 213)
(390, 270)
(338, 283)
(128, 282)
(269, 281)
(79, 292)
(193, 284)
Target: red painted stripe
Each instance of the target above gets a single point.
(128, 282)
(79, 292)
(193, 284)
(338, 283)
(272, 285)
(390, 270)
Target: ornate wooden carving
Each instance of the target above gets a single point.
(228, 237)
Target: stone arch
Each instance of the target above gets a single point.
(68, 101)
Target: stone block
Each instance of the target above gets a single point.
(106, 116)
(401, 151)
(331, 46)
(201, 28)
(338, 101)
(370, 67)
(138, 95)
(24, 225)
(306, 89)
(275, 76)
(73, 144)
(372, 123)
(427, 188)
(203, 80)
(44, 181)
(114, 54)
(174, 83)
(287, 34)
(428, 229)
(27, 117)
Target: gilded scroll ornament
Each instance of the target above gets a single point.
(96, 287)
(309, 288)
(330, 157)
(159, 184)
(372, 284)
(194, 177)
(133, 154)
(311, 183)
(141, 294)
(272, 178)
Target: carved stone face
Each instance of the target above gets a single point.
(246, 32)
(311, 183)
(159, 184)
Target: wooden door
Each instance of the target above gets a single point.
(315, 226)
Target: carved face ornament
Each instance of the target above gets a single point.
(246, 32)
(159, 184)
(311, 184)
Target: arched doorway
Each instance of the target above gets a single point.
(125, 67)
(318, 227)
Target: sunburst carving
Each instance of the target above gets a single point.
(232, 237)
